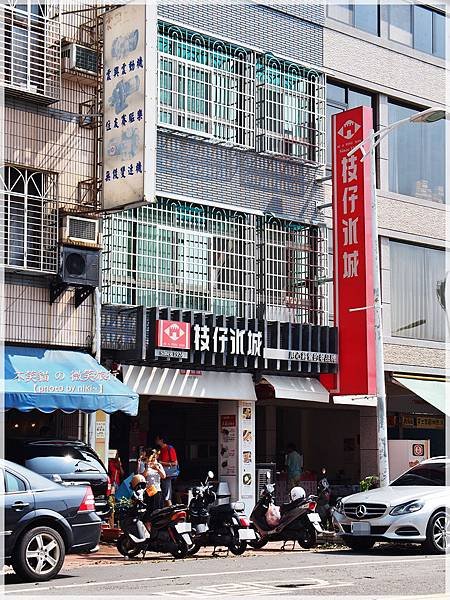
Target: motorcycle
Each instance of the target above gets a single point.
(164, 530)
(297, 520)
(324, 501)
(221, 525)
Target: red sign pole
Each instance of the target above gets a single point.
(353, 261)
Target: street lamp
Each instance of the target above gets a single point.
(367, 147)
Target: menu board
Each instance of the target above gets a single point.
(227, 445)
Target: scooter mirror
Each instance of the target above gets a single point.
(268, 476)
(210, 474)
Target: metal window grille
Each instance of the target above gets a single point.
(206, 86)
(30, 219)
(290, 110)
(30, 62)
(295, 269)
(181, 255)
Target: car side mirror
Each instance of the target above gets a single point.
(210, 475)
(56, 478)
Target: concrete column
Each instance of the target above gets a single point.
(368, 441)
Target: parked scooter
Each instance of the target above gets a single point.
(324, 501)
(164, 530)
(294, 521)
(221, 525)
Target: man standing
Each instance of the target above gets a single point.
(294, 464)
(168, 459)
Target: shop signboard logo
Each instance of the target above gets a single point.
(418, 450)
(353, 272)
(173, 334)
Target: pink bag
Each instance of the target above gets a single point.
(273, 515)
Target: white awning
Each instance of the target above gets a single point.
(213, 385)
(432, 391)
(355, 400)
(298, 388)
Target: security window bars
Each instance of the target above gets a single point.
(181, 255)
(186, 255)
(295, 257)
(290, 110)
(236, 96)
(30, 62)
(30, 219)
(206, 86)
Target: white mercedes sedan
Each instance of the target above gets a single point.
(413, 508)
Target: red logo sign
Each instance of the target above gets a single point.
(353, 273)
(418, 450)
(173, 334)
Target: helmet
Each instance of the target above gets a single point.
(137, 482)
(297, 493)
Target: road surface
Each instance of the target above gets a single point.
(392, 571)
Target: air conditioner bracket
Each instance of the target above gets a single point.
(56, 289)
(82, 293)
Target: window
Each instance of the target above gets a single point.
(30, 219)
(13, 484)
(206, 86)
(360, 15)
(290, 107)
(340, 98)
(419, 27)
(182, 255)
(238, 97)
(31, 58)
(418, 292)
(198, 257)
(416, 156)
(295, 270)
(427, 474)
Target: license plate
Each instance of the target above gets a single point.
(314, 517)
(183, 527)
(187, 538)
(247, 534)
(361, 528)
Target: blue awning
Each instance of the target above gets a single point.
(48, 380)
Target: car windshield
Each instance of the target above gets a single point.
(426, 474)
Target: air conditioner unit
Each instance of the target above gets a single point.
(79, 266)
(80, 231)
(79, 58)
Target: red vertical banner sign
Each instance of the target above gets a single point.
(353, 261)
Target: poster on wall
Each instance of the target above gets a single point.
(227, 441)
(129, 106)
(247, 449)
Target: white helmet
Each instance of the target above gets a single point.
(297, 493)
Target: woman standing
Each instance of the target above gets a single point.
(153, 474)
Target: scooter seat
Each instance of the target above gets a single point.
(220, 509)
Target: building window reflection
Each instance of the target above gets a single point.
(416, 156)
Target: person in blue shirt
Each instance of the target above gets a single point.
(294, 464)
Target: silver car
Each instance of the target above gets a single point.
(413, 508)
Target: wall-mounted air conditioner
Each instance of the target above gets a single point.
(80, 231)
(79, 58)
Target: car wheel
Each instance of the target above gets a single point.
(359, 544)
(438, 533)
(39, 554)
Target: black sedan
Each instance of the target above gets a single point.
(73, 460)
(44, 521)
